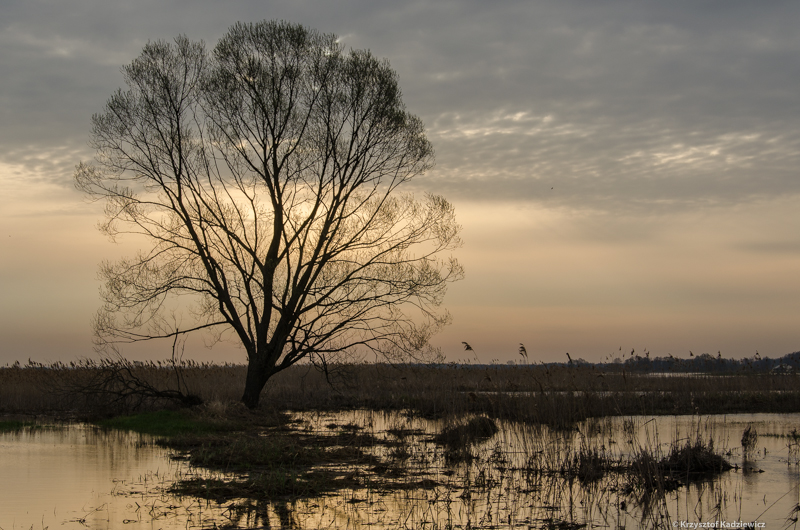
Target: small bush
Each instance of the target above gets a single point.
(692, 459)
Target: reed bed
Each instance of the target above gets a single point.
(554, 395)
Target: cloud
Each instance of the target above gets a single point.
(624, 170)
(617, 104)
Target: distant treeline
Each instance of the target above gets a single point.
(707, 363)
(702, 363)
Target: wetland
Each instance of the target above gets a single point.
(479, 450)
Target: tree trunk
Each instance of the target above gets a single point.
(254, 384)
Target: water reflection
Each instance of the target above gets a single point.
(528, 476)
(77, 477)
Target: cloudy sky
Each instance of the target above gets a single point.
(625, 172)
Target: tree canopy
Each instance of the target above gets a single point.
(265, 176)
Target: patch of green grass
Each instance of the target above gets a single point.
(165, 423)
(8, 426)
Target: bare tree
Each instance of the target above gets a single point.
(265, 175)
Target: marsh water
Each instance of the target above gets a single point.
(78, 476)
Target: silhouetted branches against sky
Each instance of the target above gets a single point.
(265, 176)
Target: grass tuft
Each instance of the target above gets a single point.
(694, 459)
(749, 440)
(475, 430)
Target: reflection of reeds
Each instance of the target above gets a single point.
(793, 516)
(794, 447)
(749, 441)
(523, 475)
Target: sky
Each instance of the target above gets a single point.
(625, 172)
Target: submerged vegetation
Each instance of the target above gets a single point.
(514, 474)
(506, 472)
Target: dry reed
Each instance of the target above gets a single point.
(554, 395)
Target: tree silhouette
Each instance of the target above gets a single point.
(265, 176)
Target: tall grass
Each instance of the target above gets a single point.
(554, 395)
(59, 389)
